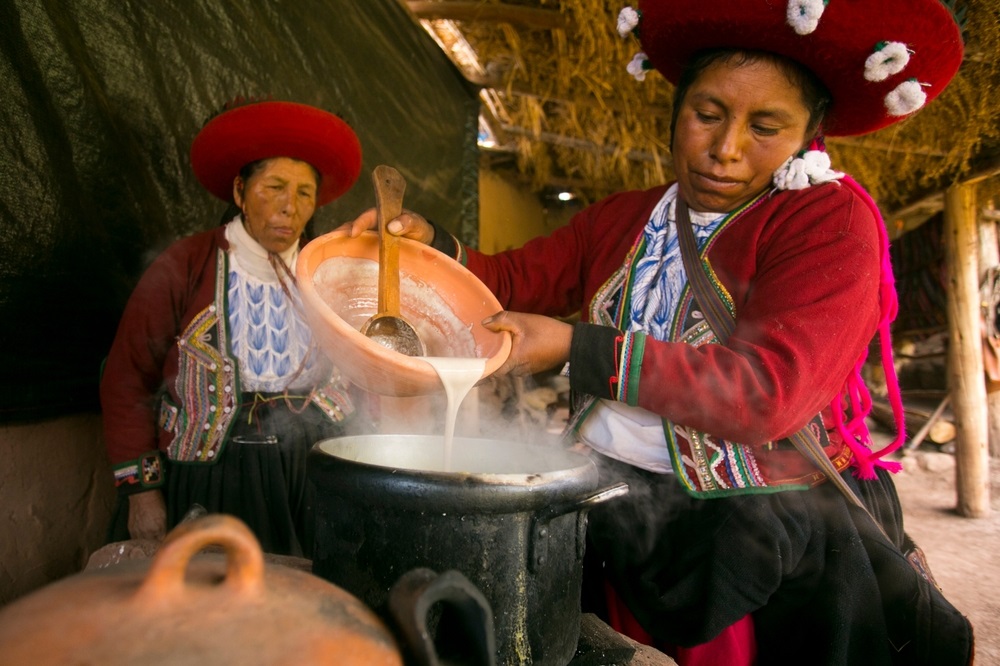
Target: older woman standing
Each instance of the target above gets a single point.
(726, 318)
(213, 391)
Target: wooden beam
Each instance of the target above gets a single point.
(613, 104)
(576, 185)
(983, 172)
(924, 207)
(872, 146)
(529, 17)
(925, 425)
(938, 431)
(912, 216)
(965, 355)
(585, 144)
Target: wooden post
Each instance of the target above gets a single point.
(989, 257)
(965, 361)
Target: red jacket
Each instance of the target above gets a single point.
(171, 383)
(802, 268)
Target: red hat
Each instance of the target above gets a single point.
(261, 130)
(881, 60)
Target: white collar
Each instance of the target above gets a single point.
(251, 256)
(698, 218)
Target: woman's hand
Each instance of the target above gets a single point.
(408, 225)
(147, 515)
(538, 343)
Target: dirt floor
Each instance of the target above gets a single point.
(964, 553)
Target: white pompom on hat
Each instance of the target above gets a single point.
(881, 61)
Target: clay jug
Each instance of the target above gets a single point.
(187, 607)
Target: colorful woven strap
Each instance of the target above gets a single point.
(711, 305)
(722, 322)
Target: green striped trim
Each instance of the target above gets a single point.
(629, 387)
(625, 302)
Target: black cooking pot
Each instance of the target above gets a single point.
(511, 517)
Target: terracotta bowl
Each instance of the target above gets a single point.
(442, 300)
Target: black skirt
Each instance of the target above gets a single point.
(823, 585)
(260, 476)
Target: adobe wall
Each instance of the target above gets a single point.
(56, 497)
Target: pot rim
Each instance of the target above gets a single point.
(365, 443)
(432, 490)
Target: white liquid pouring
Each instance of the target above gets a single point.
(458, 375)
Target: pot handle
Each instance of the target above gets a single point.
(464, 621)
(165, 580)
(538, 551)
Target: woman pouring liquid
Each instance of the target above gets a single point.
(725, 320)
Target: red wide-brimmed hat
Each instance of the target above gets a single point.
(265, 129)
(881, 59)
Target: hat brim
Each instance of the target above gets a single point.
(262, 130)
(847, 33)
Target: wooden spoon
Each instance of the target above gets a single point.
(386, 326)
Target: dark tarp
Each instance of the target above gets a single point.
(101, 99)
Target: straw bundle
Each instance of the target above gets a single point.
(574, 117)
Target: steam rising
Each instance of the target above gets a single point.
(499, 408)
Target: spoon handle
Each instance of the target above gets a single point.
(389, 187)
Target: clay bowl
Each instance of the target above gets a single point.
(445, 303)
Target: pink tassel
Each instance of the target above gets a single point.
(855, 432)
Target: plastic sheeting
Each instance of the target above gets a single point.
(100, 102)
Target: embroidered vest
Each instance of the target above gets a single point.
(209, 388)
(705, 465)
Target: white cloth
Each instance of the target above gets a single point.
(252, 257)
(268, 332)
(632, 434)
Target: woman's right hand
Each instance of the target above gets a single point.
(538, 343)
(408, 225)
(147, 515)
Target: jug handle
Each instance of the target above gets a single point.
(244, 558)
(466, 621)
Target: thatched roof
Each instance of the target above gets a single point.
(566, 114)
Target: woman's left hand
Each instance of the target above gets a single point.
(538, 343)
(408, 225)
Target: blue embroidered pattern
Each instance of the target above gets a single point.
(658, 278)
(267, 332)
(208, 383)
